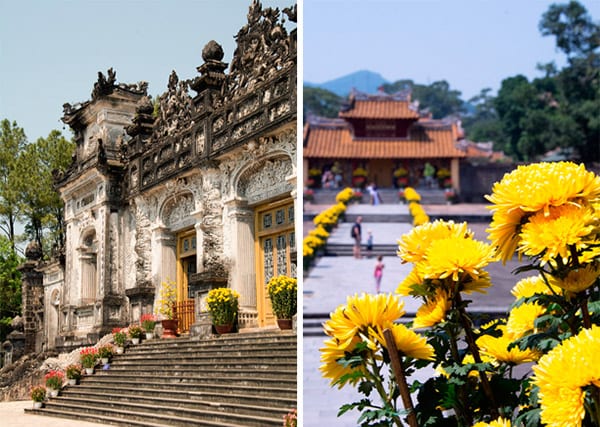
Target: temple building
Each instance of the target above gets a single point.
(383, 139)
(197, 188)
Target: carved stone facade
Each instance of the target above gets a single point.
(146, 188)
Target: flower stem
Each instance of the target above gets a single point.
(466, 324)
(587, 321)
(460, 412)
(400, 377)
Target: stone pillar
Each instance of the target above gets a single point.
(243, 252)
(455, 174)
(32, 299)
(292, 180)
(164, 254)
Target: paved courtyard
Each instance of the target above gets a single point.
(332, 279)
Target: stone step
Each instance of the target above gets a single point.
(250, 381)
(226, 385)
(195, 372)
(152, 346)
(233, 363)
(279, 397)
(166, 414)
(341, 249)
(167, 354)
(192, 400)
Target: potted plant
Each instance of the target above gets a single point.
(38, 395)
(148, 321)
(291, 419)
(283, 291)
(119, 338)
(165, 309)
(223, 308)
(73, 373)
(135, 333)
(89, 357)
(105, 352)
(54, 381)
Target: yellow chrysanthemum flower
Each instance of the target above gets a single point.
(535, 188)
(500, 422)
(361, 313)
(413, 245)
(498, 349)
(405, 288)
(521, 319)
(407, 342)
(330, 354)
(434, 311)
(529, 286)
(577, 280)
(563, 372)
(553, 234)
(458, 258)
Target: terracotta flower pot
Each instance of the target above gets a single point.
(224, 329)
(169, 328)
(284, 323)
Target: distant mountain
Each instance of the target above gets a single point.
(363, 81)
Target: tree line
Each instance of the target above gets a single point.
(526, 119)
(27, 197)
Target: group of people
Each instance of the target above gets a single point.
(356, 234)
(331, 180)
(375, 198)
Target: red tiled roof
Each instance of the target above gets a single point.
(380, 109)
(426, 141)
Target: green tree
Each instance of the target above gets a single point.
(438, 98)
(39, 201)
(12, 142)
(10, 285)
(321, 102)
(575, 32)
(483, 124)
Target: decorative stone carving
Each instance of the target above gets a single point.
(104, 85)
(265, 181)
(177, 212)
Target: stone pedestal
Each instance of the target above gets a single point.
(203, 326)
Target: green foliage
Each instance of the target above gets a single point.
(10, 286)
(39, 201)
(12, 142)
(321, 102)
(438, 98)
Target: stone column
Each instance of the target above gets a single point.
(242, 243)
(292, 179)
(32, 299)
(164, 254)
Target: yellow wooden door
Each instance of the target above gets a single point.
(276, 241)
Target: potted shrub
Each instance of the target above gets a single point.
(119, 338)
(89, 357)
(168, 296)
(283, 291)
(38, 395)
(105, 352)
(223, 308)
(148, 321)
(54, 381)
(291, 419)
(73, 373)
(135, 333)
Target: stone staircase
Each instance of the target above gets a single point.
(431, 196)
(246, 379)
(345, 249)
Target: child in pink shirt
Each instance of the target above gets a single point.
(378, 273)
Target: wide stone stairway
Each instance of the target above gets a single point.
(246, 379)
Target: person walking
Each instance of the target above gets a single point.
(378, 273)
(356, 234)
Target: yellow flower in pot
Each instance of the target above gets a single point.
(166, 309)
(283, 291)
(223, 307)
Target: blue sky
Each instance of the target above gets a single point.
(472, 44)
(51, 50)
